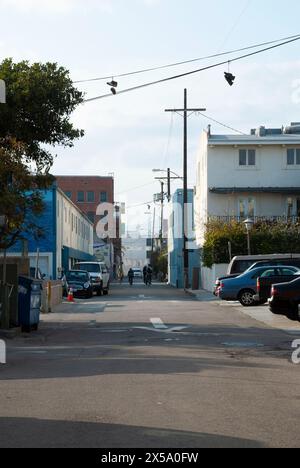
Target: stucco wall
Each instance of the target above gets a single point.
(209, 275)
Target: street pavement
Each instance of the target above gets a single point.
(152, 367)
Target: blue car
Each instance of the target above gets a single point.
(244, 287)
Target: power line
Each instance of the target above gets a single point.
(222, 124)
(140, 204)
(236, 22)
(136, 188)
(209, 67)
(162, 67)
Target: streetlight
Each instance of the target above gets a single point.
(249, 223)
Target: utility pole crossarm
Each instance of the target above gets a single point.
(185, 110)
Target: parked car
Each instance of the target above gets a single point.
(80, 282)
(99, 274)
(137, 272)
(265, 283)
(285, 299)
(241, 264)
(244, 287)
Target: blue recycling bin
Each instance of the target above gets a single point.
(30, 299)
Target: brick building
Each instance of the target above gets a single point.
(88, 192)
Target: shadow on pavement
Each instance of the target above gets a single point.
(85, 352)
(37, 433)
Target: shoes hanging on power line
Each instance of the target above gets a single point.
(229, 77)
(113, 84)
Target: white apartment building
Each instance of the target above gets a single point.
(256, 176)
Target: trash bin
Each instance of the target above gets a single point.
(30, 299)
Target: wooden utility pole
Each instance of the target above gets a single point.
(162, 214)
(186, 113)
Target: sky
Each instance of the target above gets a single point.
(130, 134)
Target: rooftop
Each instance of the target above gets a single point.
(260, 136)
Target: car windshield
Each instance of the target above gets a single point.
(77, 276)
(90, 267)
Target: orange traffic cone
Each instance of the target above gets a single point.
(70, 296)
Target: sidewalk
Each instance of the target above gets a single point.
(202, 295)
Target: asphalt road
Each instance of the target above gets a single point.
(150, 367)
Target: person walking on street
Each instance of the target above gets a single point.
(131, 276)
(149, 275)
(145, 272)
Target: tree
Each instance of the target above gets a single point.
(21, 198)
(39, 104)
(40, 101)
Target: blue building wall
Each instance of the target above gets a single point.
(176, 268)
(48, 244)
(47, 221)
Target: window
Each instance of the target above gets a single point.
(290, 207)
(247, 208)
(287, 272)
(80, 197)
(293, 157)
(103, 197)
(91, 197)
(68, 194)
(247, 158)
(251, 158)
(269, 273)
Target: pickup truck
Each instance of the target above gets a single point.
(264, 285)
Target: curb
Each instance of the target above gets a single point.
(10, 334)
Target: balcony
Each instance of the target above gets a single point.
(256, 219)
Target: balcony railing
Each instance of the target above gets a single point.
(256, 219)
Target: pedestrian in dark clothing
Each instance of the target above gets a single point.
(145, 272)
(131, 276)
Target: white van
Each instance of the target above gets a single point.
(99, 274)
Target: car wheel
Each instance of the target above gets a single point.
(246, 298)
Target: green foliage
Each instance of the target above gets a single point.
(266, 238)
(40, 101)
(160, 262)
(20, 194)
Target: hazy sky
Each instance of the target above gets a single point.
(128, 134)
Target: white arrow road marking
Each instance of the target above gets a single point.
(158, 324)
(160, 327)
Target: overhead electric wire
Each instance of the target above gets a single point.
(222, 124)
(140, 204)
(162, 67)
(209, 67)
(136, 188)
(236, 22)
